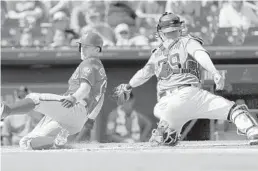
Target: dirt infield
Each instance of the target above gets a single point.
(187, 156)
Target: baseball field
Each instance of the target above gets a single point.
(187, 156)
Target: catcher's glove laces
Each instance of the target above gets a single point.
(122, 93)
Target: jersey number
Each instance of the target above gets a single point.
(167, 66)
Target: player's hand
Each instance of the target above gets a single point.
(68, 101)
(219, 81)
(122, 93)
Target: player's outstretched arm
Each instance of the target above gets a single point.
(123, 91)
(142, 76)
(83, 91)
(195, 49)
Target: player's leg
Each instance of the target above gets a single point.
(216, 107)
(71, 119)
(44, 136)
(173, 112)
(19, 108)
(24, 106)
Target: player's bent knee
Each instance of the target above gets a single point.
(34, 97)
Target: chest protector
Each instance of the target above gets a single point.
(176, 60)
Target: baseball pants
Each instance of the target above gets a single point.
(182, 105)
(56, 117)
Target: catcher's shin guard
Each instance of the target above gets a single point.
(164, 135)
(244, 122)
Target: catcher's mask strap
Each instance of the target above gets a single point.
(170, 29)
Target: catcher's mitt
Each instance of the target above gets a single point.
(122, 93)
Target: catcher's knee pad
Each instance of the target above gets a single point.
(164, 135)
(241, 117)
(35, 97)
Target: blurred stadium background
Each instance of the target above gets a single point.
(39, 50)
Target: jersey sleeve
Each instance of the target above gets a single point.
(88, 73)
(193, 45)
(143, 74)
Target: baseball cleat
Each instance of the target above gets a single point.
(61, 138)
(157, 134)
(156, 138)
(253, 140)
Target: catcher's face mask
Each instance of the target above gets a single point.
(169, 26)
(169, 35)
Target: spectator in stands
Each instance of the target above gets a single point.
(124, 38)
(56, 6)
(122, 35)
(127, 125)
(26, 39)
(119, 12)
(27, 12)
(187, 10)
(15, 127)
(148, 13)
(61, 24)
(237, 14)
(60, 21)
(94, 20)
(80, 11)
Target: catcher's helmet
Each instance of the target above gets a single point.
(169, 22)
(91, 39)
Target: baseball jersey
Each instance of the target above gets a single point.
(92, 71)
(173, 66)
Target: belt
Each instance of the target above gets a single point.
(172, 90)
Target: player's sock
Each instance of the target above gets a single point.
(42, 143)
(21, 107)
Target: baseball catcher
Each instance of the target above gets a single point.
(176, 63)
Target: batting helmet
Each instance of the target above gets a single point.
(169, 22)
(91, 39)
